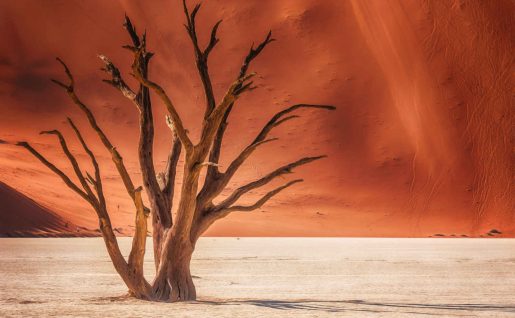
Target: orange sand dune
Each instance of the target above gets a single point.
(421, 142)
(21, 216)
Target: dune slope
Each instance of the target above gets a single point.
(421, 142)
(20, 216)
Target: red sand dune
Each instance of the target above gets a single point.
(421, 142)
(21, 216)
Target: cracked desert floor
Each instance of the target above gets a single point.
(271, 277)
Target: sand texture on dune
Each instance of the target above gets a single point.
(271, 277)
(421, 142)
(20, 217)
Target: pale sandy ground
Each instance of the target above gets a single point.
(271, 277)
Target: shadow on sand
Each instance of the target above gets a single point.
(365, 306)
(335, 306)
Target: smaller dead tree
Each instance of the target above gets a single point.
(174, 239)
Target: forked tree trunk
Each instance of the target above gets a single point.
(173, 281)
(174, 238)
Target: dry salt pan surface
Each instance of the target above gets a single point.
(271, 277)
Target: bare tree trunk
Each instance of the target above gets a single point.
(158, 235)
(173, 281)
(178, 272)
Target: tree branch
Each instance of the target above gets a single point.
(216, 181)
(73, 162)
(70, 86)
(159, 201)
(190, 26)
(254, 52)
(213, 39)
(121, 266)
(214, 156)
(117, 159)
(56, 170)
(201, 56)
(137, 253)
(181, 131)
(215, 213)
(275, 121)
(231, 199)
(171, 163)
(117, 81)
(211, 125)
(263, 199)
(97, 181)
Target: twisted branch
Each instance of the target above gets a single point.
(275, 121)
(117, 81)
(160, 201)
(97, 181)
(171, 164)
(56, 170)
(201, 56)
(116, 157)
(231, 199)
(214, 155)
(216, 181)
(261, 201)
(174, 115)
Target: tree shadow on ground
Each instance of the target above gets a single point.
(367, 306)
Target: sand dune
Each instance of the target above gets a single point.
(21, 217)
(421, 142)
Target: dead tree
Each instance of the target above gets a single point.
(174, 239)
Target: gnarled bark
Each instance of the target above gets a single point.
(174, 239)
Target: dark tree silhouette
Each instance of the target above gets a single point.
(174, 239)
